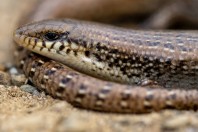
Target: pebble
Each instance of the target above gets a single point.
(18, 79)
(5, 78)
(30, 89)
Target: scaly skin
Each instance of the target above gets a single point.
(169, 59)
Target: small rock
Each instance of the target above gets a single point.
(30, 89)
(5, 78)
(13, 70)
(18, 79)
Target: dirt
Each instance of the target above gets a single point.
(22, 111)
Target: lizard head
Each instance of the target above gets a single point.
(45, 32)
(60, 40)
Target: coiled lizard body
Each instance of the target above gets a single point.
(167, 59)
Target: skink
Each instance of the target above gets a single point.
(167, 59)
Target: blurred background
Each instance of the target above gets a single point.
(11, 12)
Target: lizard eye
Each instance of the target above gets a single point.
(51, 36)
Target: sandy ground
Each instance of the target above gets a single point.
(22, 111)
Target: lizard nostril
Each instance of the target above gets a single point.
(20, 32)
